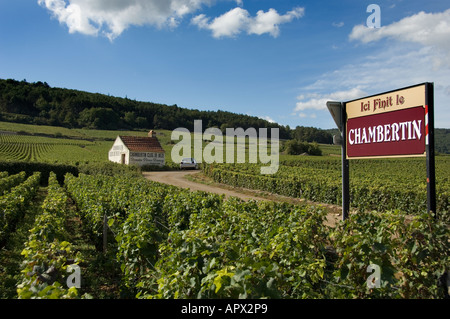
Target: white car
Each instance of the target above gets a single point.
(188, 162)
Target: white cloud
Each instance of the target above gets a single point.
(227, 25)
(238, 20)
(268, 119)
(316, 101)
(112, 17)
(268, 22)
(423, 28)
(201, 21)
(71, 15)
(427, 29)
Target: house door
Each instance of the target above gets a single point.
(122, 158)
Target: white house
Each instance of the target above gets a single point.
(137, 150)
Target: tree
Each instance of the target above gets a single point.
(296, 147)
(99, 118)
(141, 122)
(156, 122)
(130, 119)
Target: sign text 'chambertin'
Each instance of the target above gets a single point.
(392, 124)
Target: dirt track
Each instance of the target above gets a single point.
(178, 178)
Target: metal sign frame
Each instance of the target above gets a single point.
(339, 113)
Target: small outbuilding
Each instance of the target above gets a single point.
(137, 150)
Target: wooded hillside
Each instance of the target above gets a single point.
(38, 103)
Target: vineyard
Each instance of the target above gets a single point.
(44, 149)
(132, 238)
(381, 185)
(167, 242)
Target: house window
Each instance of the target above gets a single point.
(112, 153)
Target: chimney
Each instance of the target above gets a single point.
(151, 133)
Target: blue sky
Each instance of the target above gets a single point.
(278, 60)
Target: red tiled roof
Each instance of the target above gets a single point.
(142, 144)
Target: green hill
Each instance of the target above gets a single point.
(442, 140)
(38, 103)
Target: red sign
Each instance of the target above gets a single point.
(395, 133)
(390, 124)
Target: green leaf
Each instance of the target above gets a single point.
(111, 222)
